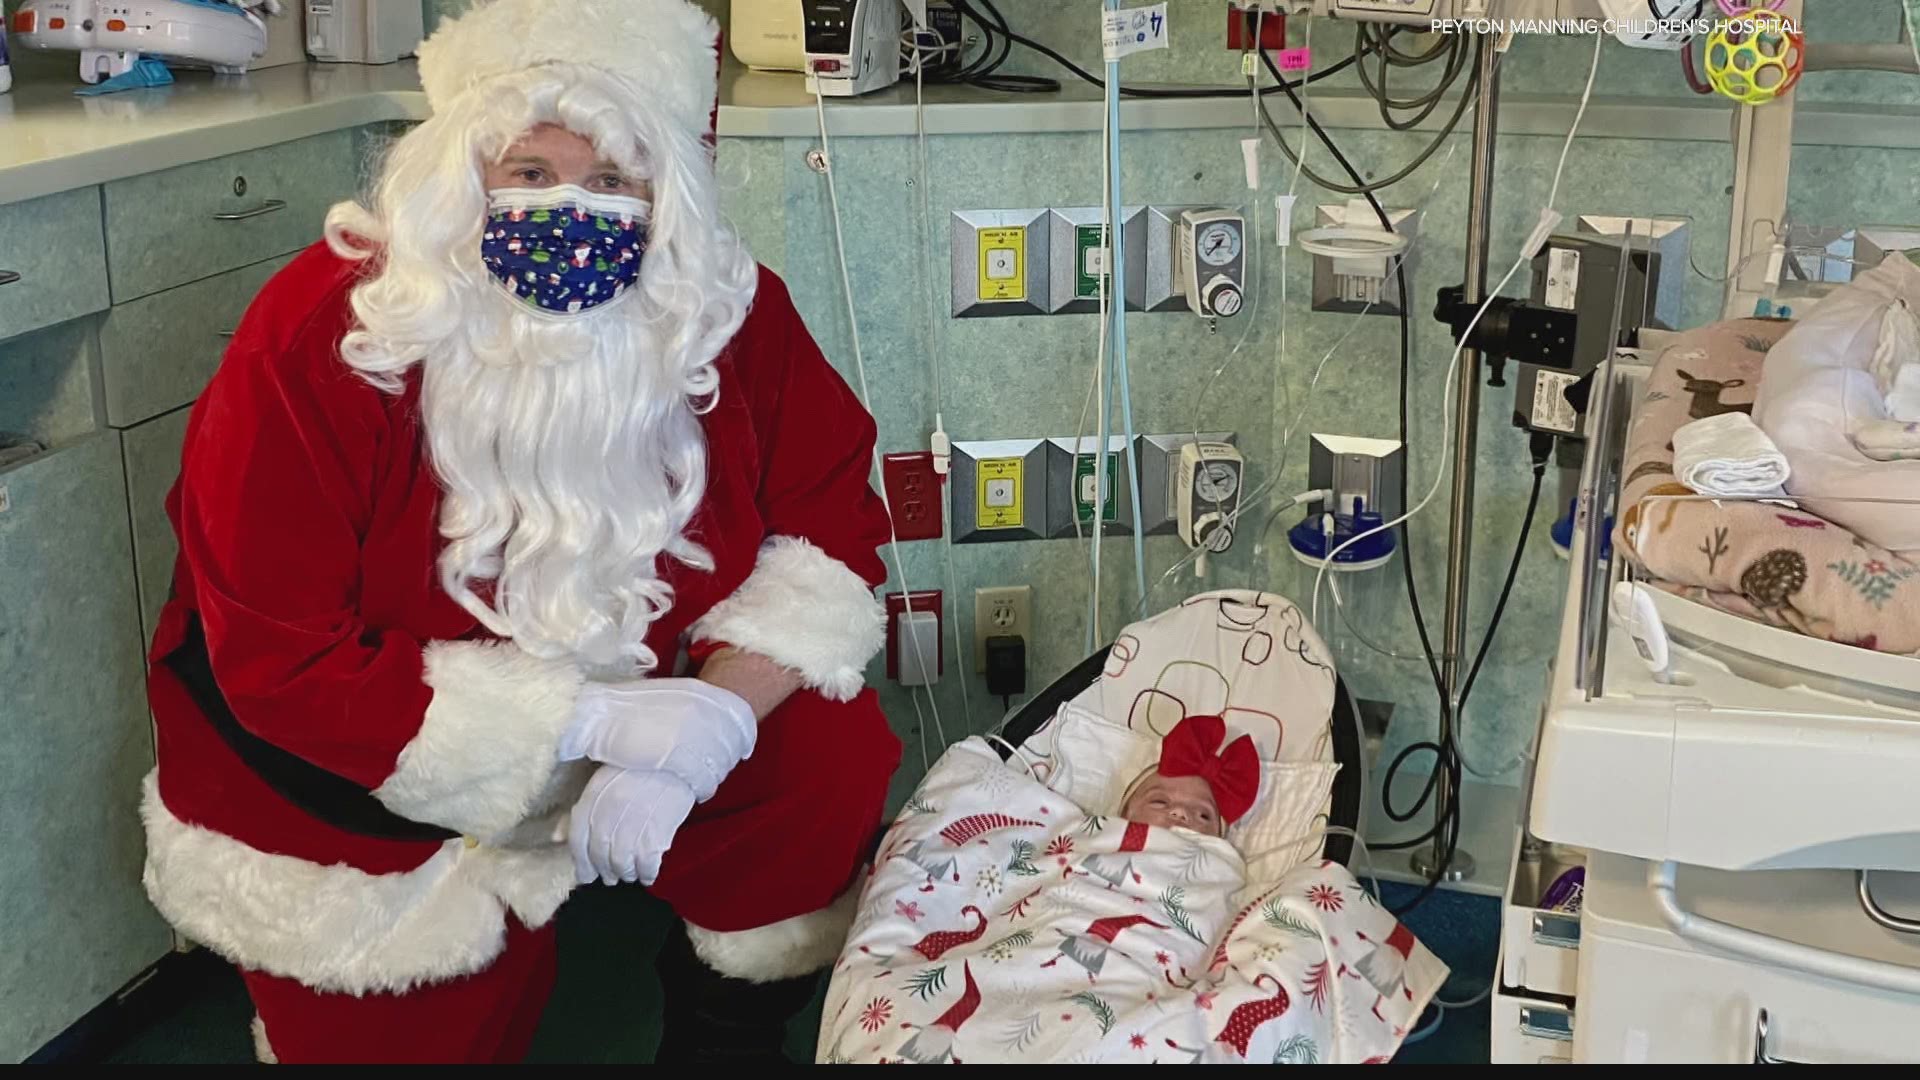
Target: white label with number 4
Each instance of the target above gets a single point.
(1132, 30)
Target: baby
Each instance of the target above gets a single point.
(1196, 785)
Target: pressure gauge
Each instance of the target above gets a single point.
(1216, 482)
(1211, 261)
(1209, 494)
(1218, 243)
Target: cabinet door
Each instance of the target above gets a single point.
(153, 464)
(75, 925)
(53, 264)
(157, 352)
(179, 225)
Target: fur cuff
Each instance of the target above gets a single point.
(805, 610)
(488, 747)
(262, 1049)
(338, 929)
(787, 949)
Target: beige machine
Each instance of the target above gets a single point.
(768, 35)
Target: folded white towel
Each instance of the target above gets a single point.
(1728, 455)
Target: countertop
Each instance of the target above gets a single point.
(52, 141)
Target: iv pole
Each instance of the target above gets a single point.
(1432, 862)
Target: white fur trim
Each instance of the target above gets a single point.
(262, 1049)
(787, 949)
(489, 746)
(665, 50)
(806, 610)
(335, 928)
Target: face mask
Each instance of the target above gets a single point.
(564, 250)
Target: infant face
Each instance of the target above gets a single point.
(1169, 801)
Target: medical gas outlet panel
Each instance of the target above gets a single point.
(1059, 488)
(1059, 260)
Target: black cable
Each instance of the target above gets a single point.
(965, 8)
(987, 78)
(1542, 448)
(1427, 103)
(1361, 186)
(1446, 825)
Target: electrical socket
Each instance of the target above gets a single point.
(1002, 612)
(913, 495)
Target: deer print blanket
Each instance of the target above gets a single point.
(1770, 561)
(1003, 924)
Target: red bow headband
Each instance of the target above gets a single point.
(1192, 748)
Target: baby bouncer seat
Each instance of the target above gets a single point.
(1013, 915)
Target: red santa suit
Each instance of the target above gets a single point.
(307, 514)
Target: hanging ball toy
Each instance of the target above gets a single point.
(1754, 57)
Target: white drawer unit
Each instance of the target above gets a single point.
(1649, 994)
(1530, 1030)
(1540, 949)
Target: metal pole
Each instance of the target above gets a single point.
(1466, 431)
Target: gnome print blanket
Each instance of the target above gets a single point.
(1002, 923)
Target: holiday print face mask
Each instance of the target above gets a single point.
(564, 250)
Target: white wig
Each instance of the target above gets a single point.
(570, 449)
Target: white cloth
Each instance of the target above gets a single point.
(1896, 362)
(1903, 397)
(1729, 455)
(1002, 924)
(1823, 406)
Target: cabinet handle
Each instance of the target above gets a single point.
(1762, 1033)
(228, 333)
(1879, 914)
(8, 277)
(268, 207)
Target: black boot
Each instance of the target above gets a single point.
(709, 1018)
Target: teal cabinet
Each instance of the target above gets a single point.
(157, 352)
(179, 225)
(75, 925)
(153, 464)
(53, 262)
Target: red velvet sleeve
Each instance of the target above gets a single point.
(816, 442)
(809, 603)
(275, 494)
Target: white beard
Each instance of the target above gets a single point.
(571, 459)
(569, 447)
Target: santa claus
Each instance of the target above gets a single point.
(504, 571)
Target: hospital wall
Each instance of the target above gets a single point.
(1027, 377)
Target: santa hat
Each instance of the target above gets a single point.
(961, 1011)
(1109, 928)
(666, 52)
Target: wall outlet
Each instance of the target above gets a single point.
(927, 600)
(1002, 612)
(913, 495)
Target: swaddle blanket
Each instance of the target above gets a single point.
(1727, 455)
(1829, 389)
(1002, 923)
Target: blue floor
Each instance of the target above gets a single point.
(606, 1007)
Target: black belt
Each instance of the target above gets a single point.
(330, 797)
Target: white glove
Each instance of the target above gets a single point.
(690, 729)
(624, 823)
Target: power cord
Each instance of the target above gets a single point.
(998, 28)
(1360, 185)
